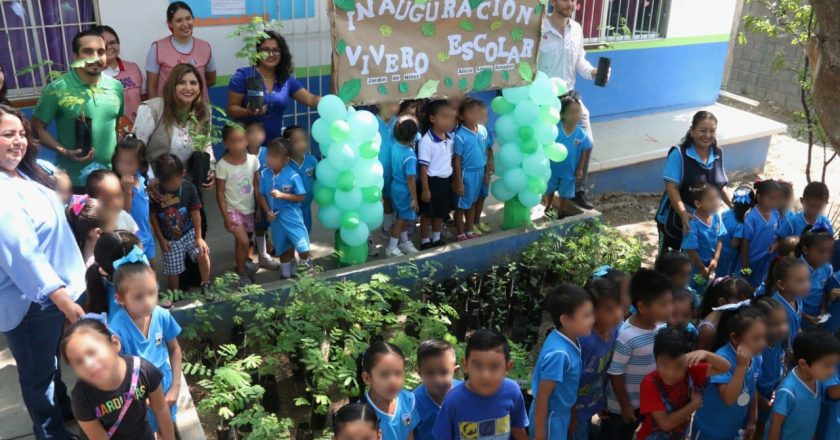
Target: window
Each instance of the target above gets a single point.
(34, 31)
(609, 21)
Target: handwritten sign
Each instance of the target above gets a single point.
(391, 50)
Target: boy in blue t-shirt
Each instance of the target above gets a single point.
(303, 163)
(488, 406)
(798, 400)
(403, 187)
(469, 166)
(814, 200)
(436, 365)
(255, 134)
(578, 145)
(281, 193)
(387, 118)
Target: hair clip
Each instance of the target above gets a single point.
(736, 306)
(742, 196)
(601, 271)
(100, 317)
(135, 256)
(77, 203)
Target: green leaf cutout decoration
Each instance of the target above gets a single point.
(382, 90)
(506, 75)
(496, 25)
(474, 3)
(516, 34)
(428, 89)
(421, 2)
(448, 83)
(385, 30)
(526, 72)
(340, 46)
(346, 5)
(482, 80)
(463, 84)
(403, 87)
(538, 10)
(466, 25)
(350, 90)
(443, 57)
(428, 29)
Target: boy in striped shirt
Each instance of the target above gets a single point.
(633, 357)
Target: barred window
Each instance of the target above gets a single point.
(610, 21)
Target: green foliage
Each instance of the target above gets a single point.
(428, 29)
(204, 134)
(70, 100)
(227, 383)
(251, 34)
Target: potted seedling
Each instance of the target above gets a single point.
(203, 135)
(252, 34)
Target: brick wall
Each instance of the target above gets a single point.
(751, 71)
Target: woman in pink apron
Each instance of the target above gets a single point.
(128, 73)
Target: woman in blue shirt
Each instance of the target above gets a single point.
(41, 275)
(697, 159)
(279, 87)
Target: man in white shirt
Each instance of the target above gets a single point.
(562, 55)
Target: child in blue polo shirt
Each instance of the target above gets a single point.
(815, 248)
(482, 227)
(577, 142)
(760, 225)
(798, 400)
(382, 371)
(595, 352)
(814, 200)
(281, 192)
(743, 200)
(469, 166)
(557, 373)
(828, 427)
(436, 365)
(303, 163)
(773, 365)
(703, 242)
(387, 118)
(403, 187)
(788, 284)
(729, 404)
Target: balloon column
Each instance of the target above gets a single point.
(526, 130)
(349, 180)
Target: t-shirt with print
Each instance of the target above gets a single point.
(91, 404)
(465, 415)
(239, 183)
(174, 210)
(633, 358)
(595, 356)
(677, 394)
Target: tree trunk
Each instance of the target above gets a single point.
(824, 55)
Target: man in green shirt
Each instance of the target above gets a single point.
(103, 105)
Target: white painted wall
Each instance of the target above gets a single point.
(693, 18)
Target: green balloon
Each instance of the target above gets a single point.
(348, 200)
(356, 236)
(549, 115)
(371, 194)
(346, 181)
(501, 192)
(363, 126)
(342, 156)
(330, 217)
(326, 174)
(372, 214)
(526, 113)
(332, 108)
(506, 129)
(535, 164)
(537, 185)
(510, 155)
(324, 196)
(529, 146)
(501, 106)
(339, 130)
(321, 131)
(545, 133)
(526, 132)
(369, 150)
(515, 95)
(529, 199)
(515, 179)
(559, 86)
(541, 91)
(556, 152)
(350, 220)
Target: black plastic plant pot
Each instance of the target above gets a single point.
(226, 433)
(271, 398)
(201, 167)
(84, 135)
(318, 421)
(304, 432)
(256, 95)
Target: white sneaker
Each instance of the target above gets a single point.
(395, 252)
(372, 252)
(408, 248)
(266, 262)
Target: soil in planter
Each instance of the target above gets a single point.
(84, 135)
(256, 93)
(200, 167)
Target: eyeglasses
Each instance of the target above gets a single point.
(271, 51)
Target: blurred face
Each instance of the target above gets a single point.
(112, 47)
(236, 142)
(609, 313)
(92, 50)
(110, 194)
(820, 253)
(94, 357)
(256, 136)
(445, 119)
(754, 338)
(823, 368)
(300, 143)
(438, 372)
(812, 206)
(571, 116)
(272, 56)
(777, 325)
(127, 163)
(681, 313)
(64, 187)
(770, 201)
(710, 203)
(566, 8)
(276, 160)
(704, 133)
(358, 431)
(188, 89)
(387, 110)
(387, 377)
(579, 323)
(486, 370)
(797, 283)
(13, 142)
(485, 115)
(671, 370)
(682, 277)
(658, 310)
(472, 116)
(181, 24)
(139, 294)
(172, 184)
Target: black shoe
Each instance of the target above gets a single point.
(582, 201)
(439, 243)
(427, 245)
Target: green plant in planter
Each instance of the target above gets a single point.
(203, 136)
(252, 34)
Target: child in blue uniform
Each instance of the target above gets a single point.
(488, 405)
(828, 427)
(788, 284)
(577, 142)
(743, 200)
(815, 248)
(303, 163)
(403, 187)
(480, 226)
(728, 410)
(773, 365)
(759, 243)
(382, 370)
(469, 166)
(556, 377)
(356, 421)
(146, 329)
(677, 266)
(281, 192)
(129, 162)
(595, 353)
(436, 365)
(814, 200)
(682, 313)
(99, 277)
(703, 242)
(387, 118)
(796, 408)
(255, 134)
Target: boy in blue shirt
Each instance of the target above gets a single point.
(578, 144)
(281, 192)
(303, 163)
(796, 408)
(703, 241)
(488, 406)
(557, 373)
(828, 428)
(469, 166)
(436, 365)
(814, 200)
(403, 187)
(387, 118)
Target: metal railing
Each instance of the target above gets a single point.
(610, 21)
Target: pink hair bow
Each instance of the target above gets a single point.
(77, 203)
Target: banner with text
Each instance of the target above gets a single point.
(391, 50)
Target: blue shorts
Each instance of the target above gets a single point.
(472, 179)
(288, 230)
(401, 200)
(564, 187)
